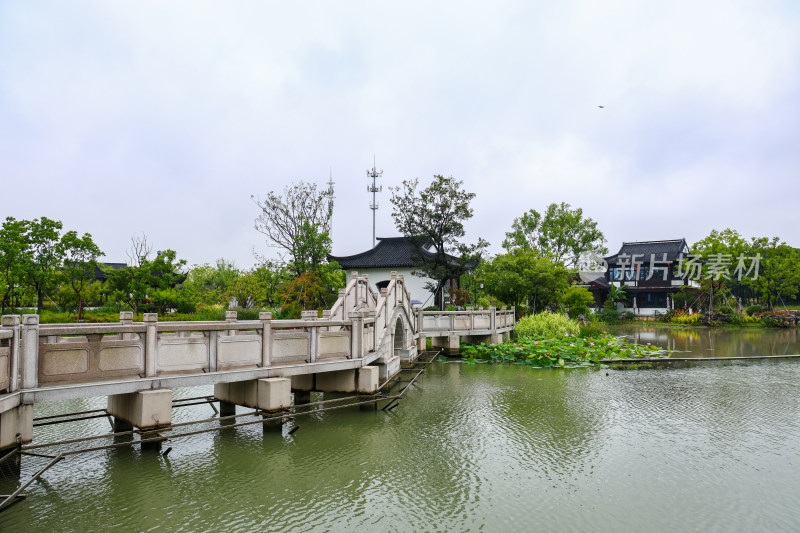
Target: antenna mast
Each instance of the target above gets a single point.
(374, 174)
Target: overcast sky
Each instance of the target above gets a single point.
(165, 117)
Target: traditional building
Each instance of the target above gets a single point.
(650, 273)
(395, 254)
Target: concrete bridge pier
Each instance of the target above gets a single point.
(16, 427)
(362, 380)
(147, 410)
(267, 394)
(450, 344)
(302, 385)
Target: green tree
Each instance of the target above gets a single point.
(298, 222)
(15, 259)
(578, 300)
(434, 217)
(151, 280)
(779, 272)
(46, 252)
(524, 277)
(80, 260)
(561, 234)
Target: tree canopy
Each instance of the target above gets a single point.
(434, 217)
(299, 223)
(561, 234)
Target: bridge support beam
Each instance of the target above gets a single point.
(450, 344)
(339, 381)
(388, 369)
(16, 421)
(421, 343)
(144, 409)
(268, 394)
(368, 379)
(148, 410)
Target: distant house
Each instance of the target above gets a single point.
(649, 272)
(395, 254)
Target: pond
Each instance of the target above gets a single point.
(715, 342)
(474, 448)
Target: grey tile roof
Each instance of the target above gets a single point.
(390, 252)
(673, 248)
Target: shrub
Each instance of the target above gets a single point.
(578, 300)
(431, 308)
(628, 315)
(609, 316)
(451, 307)
(725, 309)
(546, 324)
(753, 309)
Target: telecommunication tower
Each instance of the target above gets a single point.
(374, 174)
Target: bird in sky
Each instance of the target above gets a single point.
(601, 106)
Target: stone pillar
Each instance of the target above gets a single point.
(368, 379)
(12, 322)
(147, 410)
(302, 385)
(126, 319)
(422, 343)
(16, 427)
(269, 394)
(231, 317)
(29, 362)
(338, 381)
(357, 335)
(450, 344)
(151, 344)
(266, 338)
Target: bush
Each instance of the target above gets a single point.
(451, 307)
(725, 309)
(753, 309)
(431, 308)
(578, 300)
(546, 324)
(609, 316)
(628, 315)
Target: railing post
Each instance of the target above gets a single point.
(452, 317)
(266, 338)
(126, 319)
(493, 319)
(312, 335)
(12, 322)
(150, 344)
(343, 296)
(354, 276)
(513, 315)
(30, 351)
(231, 317)
(357, 334)
(420, 320)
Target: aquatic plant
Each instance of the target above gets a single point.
(565, 350)
(546, 324)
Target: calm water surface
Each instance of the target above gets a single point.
(475, 448)
(716, 342)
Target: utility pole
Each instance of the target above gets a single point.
(374, 174)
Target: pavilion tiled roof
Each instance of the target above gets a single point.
(643, 250)
(390, 252)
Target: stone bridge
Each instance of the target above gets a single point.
(354, 347)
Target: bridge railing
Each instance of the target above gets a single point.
(357, 295)
(479, 320)
(394, 295)
(57, 354)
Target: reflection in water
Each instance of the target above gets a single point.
(481, 447)
(716, 342)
